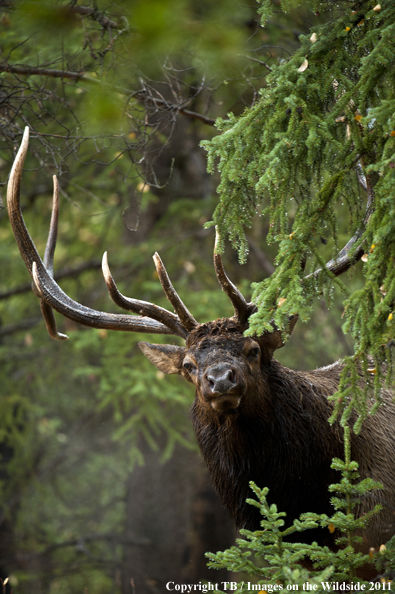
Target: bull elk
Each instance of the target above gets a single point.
(254, 419)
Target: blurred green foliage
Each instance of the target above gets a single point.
(78, 417)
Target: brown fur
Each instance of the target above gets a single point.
(271, 426)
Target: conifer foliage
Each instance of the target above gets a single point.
(283, 561)
(319, 145)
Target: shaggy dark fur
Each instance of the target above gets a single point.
(278, 433)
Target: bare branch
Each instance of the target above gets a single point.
(52, 72)
(96, 15)
(147, 98)
(197, 116)
(258, 61)
(63, 273)
(82, 76)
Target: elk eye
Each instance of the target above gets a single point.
(188, 366)
(254, 352)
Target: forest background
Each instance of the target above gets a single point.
(102, 486)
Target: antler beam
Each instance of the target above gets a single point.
(51, 295)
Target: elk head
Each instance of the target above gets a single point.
(217, 359)
(223, 364)
(217, 370)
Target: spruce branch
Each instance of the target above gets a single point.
(282, 559)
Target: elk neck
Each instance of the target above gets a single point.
(278, 437)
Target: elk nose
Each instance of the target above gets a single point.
(221, 380)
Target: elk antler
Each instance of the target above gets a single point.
(141, 307)
(46, 309)
(350, 255)
(185, 316)
(243, 310)
(159, 320)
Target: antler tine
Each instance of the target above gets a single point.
(343, 261)
(143, 308)
(48, 290)
(53, 229)
(46, 310)
(185, 316)
(243, 310)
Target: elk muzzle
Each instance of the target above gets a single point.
(223, 387)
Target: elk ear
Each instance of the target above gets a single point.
(166, 357)
(271, 341)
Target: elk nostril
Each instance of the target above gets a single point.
(221, 380)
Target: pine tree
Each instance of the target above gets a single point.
(318, 146)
